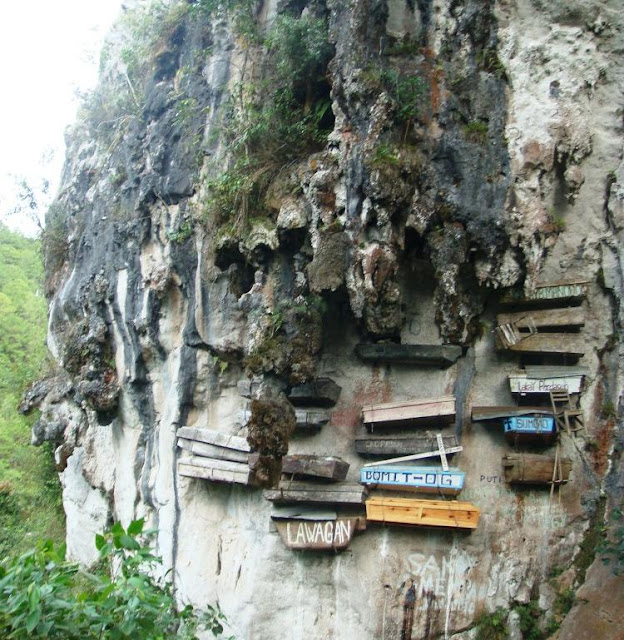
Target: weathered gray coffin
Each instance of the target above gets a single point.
(322, 392)
(400, 445)
(569, 344)
(215, 470)
(212, 451)
(208, 436)
(306, 421)
(311, 493)
(538, 318)
(441, 355)
(325, 467)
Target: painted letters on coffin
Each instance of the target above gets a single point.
(414, 478)
(530, 428)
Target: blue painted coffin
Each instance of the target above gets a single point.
(427, 479)
(536, 428)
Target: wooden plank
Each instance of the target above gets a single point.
(442, 355)
(433, 513)
(401, 445)
(482, 414)
(319, 535)
(534, 469)
(322, 392)
(540, 318)
(522, 383)
(310, 493)
(412, 478)
(530, 429)
(326, 467)
(562, 343)
(572, 291)
(212, 451)
(213, 474)
(441, 409)
(214, 437)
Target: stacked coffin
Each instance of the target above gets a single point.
(396, 474)
(432, 355)
(522, 425)
(316, 508)
(212, 455)
(534, 426)
(538, 323)
(546, 322)
(311, 401)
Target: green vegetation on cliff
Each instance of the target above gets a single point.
(42, 595)
(29, 489)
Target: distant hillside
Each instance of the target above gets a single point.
(29, 493)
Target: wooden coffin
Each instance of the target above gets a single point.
(325, 467)
(530, 429)
(412, 478)
(425, 411)
(402, 445)
(567, 344)
(322, 392)
(306, 421)
(572, 317)
(440, 355)
(426, 513)
(317, 532)
(545, 294)
(543, 380)
(311, 493)
(535, 469)
(212, 451)
(216, 438)
(482, 414)
(215, 470)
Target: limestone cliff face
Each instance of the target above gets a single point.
(226, 214)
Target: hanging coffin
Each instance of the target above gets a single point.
(549, 294)
(401, 445)
(536, 380)
(534, 469)
(215, 470)
(426, 411)
(530, 429)
(317, 531)
(425, 513)
(412, 478)
(415, 354)
(315, 493)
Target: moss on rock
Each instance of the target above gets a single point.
(271, 424)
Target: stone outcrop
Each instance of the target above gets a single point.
(442, 153)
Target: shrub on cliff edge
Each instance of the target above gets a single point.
(42, 595)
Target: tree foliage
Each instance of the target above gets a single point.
(43, 595)
(29, 488)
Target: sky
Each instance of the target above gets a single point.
(49, 49)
